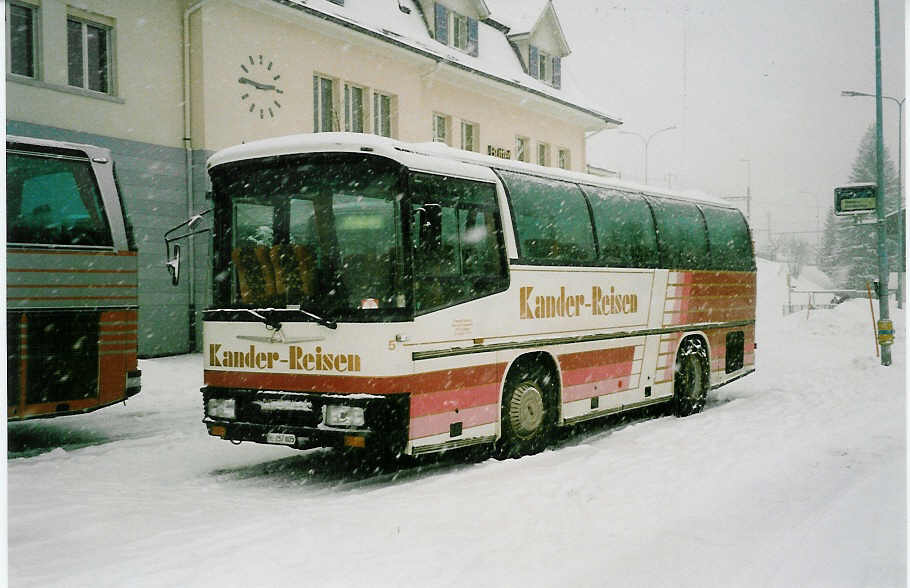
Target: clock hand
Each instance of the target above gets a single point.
(256, 84)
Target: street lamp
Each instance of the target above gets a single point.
(646, 142)
(900, 177)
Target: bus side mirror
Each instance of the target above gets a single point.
(173, 266)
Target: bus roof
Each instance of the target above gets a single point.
(92, 151)
(432, 156)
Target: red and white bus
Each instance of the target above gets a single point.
(71, 291)
(416, 298)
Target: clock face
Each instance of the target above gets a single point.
(259, 91)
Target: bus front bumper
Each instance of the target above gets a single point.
(304, 420)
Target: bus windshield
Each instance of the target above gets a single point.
(319, 231)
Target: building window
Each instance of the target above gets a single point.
(521, 149)
(21, 39)
(565, 162)
(544, 67)
(543, 71)
(468, 136)
(455, 29)
(324, 117)
(459, 31)
(543, 154)
(89, 55)
(382, 114)
(353, 108)
(441, 128)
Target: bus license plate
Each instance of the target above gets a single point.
(281, 438)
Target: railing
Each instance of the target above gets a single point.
(838, 296)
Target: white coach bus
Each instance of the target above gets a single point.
(413, 298)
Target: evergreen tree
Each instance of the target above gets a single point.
(849, 251)
(864, 169)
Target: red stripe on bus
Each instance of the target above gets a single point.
(597, 373)
(108, 347)
(446, 401)
(452, 379)
(439, 423)
(118, 335)
(585, 359)
(599, 388)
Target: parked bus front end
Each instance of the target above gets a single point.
(414, 299)
(72, 301)
(306, 342)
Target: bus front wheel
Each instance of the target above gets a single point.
(690, 383)
(526, 419)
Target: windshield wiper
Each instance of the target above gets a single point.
(272, 323)
(325, 322)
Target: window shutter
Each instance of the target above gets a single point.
(557, 72)
(316, 104)
(533, 68)
(442, 24)
(472, 36)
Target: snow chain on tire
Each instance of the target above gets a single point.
(691, 378)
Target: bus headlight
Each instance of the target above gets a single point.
(343, 416)
(221, 408)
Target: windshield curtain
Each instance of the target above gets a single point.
(320, 231)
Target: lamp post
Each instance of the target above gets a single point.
(646, 142)
(900, 179)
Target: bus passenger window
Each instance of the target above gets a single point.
(552, 223)
(456, 241)
(54, 201)
(681, 234)
(625, 228)
(728, 234)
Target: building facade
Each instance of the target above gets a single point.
(166, 84)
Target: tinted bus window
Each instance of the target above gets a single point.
(625, 228)
(552, 222)
(731, 245)
(456, 240)
(680, 234)
(53, 201)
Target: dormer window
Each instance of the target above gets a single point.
(459, 31)
(543, 72)
(546, 68)
(455, 29)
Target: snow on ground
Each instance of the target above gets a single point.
(794, 476)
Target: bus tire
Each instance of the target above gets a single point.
(527, 415)
(691, 378)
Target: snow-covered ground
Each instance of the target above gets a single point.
(794, 476)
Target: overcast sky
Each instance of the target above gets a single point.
(741, 80)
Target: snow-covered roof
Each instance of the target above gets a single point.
(405, 27)
(520, 17)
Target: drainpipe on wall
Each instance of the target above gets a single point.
(188, 154)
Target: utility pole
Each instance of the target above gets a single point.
(885, 327)
(748, 163)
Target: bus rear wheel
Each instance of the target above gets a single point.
(526, 419)
(690, 383)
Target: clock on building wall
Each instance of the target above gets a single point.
(259, 91)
